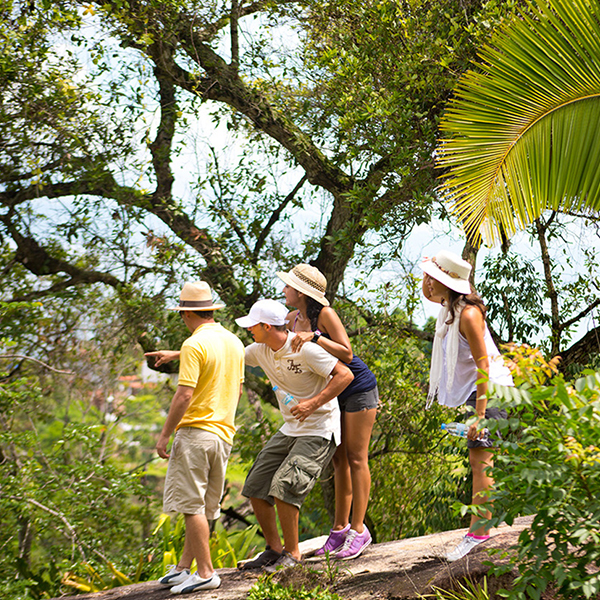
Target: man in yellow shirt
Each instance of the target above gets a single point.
(202, 414)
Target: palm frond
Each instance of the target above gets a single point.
(522, 134)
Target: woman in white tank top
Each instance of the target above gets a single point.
(463, 348)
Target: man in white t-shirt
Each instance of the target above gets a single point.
(287, 468)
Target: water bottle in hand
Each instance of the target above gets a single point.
(286, 399)
(460, 430)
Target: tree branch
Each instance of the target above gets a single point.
(260, 241)
(234, 29)
(39, 362)
(40, 262)
(582, 314)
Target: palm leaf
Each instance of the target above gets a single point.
(522, 134)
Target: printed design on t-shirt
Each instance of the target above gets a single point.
(295, 368)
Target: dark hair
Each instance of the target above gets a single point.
(472, 299)
(204, 314)
(313, 310)
(279, 327)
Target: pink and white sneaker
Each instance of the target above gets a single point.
(335, 541)
(354, 544)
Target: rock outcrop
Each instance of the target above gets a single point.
(400, 570)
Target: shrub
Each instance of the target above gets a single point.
(549, 466)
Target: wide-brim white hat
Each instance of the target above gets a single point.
(196, 295)
(308, 280)
(450, 270)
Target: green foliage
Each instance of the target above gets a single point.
(512, 292)
(549, 467)
(96, 580)
(464, 591)
(267, 589)
(227, 548)
(546, 64)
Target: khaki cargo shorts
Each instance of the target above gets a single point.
(196, 473)
(287, 468)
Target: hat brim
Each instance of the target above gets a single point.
(246, 321)
(462, 286)
(302, 287)
(198, 308)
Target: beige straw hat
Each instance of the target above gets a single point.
(196, 295)
(308, 280)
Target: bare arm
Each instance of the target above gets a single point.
(179, 404)
(164, 356)
(341, 377)
(472, 326)
(329, 323)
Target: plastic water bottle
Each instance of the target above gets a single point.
(460, 430)
(286, 399)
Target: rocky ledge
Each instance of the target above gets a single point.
(401, 570)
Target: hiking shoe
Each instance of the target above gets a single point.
(354, 544)
(286, 560)
(464, 547)
(195, 583)
(174, 577)
(265, 559)
(335, 541)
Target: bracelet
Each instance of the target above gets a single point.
(315, 337)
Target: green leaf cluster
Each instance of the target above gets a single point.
(521, 135)
(548, 466)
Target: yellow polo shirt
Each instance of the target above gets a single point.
(212, 362)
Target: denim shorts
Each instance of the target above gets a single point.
(288, 467)
(490, 413)
(360, 401)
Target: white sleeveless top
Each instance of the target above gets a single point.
(466, 374)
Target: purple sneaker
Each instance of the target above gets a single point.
(335, 541)
(354, 544)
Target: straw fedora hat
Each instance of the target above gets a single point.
(196, 295)
(450, 270)
(308, 280)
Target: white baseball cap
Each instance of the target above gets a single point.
(264, 311)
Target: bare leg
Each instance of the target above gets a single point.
(480, 459)
(288, 518)
(197, 534)
(187, 556)
(343, 485)
(267, 519)
(357, 432)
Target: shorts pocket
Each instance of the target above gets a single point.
(300, 475)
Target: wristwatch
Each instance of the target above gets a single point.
(315, 337)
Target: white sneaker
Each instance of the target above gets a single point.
(194, 583)
(174, 577)
(464, 547)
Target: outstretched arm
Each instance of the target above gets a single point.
(164, 356)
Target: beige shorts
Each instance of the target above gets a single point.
(196, 473)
